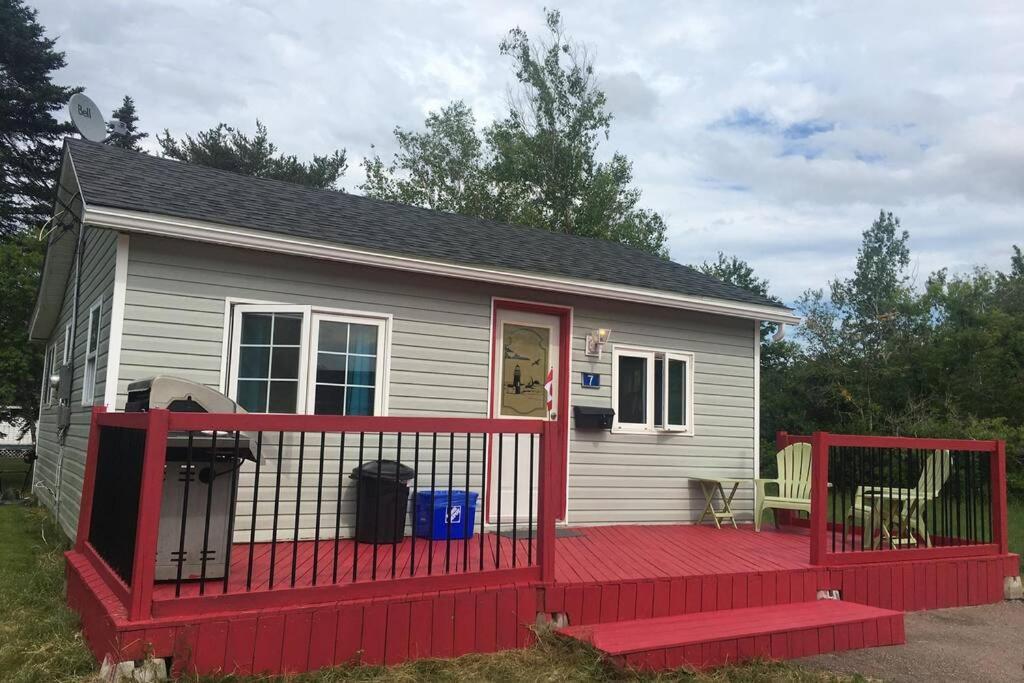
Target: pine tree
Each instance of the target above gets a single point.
(30, 137)
(129, 139)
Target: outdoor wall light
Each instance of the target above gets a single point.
(596, 341)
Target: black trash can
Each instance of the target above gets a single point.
(383, 500)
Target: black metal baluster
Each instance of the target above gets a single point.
(415, 501)
(957, 469)
(887, 500)
(970, 512)
(337, 509)
(277, 505)
(986, 478)
(255, 502)
(529, 511)
(467, 527)
(396, 522)
(433, 503)
(497, 538)
(448, 509)
(298, 506)
(482, 502)
(184, 516)
(237, 465)
(211, 464)
(515, 494)
(319, 506)
(355, 533)
(376, 505)
(924, 496)
(839, 472)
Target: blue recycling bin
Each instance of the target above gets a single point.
(432, 517)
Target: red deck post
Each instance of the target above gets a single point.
(148, 524)
(548, 499)
(92, 451)
(1000, 534)
(819, 495)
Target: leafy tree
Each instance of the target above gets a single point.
(441, 168)
(132, 135)
(20, 361)
(229, 149)
(29, 134)
(736, 271)
(538, 166)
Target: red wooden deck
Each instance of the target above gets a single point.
(596, 554)
(603, 575)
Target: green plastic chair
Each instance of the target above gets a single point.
(793, 484)
(885, 507)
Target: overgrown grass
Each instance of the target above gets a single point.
(39, 636)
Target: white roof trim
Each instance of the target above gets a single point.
(202, 231)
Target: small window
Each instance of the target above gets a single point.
(290, 359)
(67, 343)
(653, 390)
(92, 348)
(49, 367)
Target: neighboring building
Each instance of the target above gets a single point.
(291, 299)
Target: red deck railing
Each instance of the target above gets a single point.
(294, 542)
(884, 499)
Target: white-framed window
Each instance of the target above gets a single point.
(67, 342)
(297, 359)
(652, 390)
(49, 367)
(92, 350)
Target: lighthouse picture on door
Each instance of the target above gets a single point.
(524, 370)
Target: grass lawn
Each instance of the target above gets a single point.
(39, 638)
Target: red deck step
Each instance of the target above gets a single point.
(709, 639)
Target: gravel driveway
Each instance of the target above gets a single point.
(965, 644)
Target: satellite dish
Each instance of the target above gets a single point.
(87, 118)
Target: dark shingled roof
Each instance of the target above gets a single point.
(121, 179)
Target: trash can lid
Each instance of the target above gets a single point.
(383, 469)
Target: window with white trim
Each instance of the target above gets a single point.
(652, 390)
(293, 359)
(49, 367)
(92, 352)
(67, 343)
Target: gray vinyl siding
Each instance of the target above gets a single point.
(174, 323)
(65, 463)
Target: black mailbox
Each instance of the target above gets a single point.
(593, 418)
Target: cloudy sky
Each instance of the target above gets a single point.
(773, 133)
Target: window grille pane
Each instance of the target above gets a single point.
(286, 363)
(254, 362)
(632, 381)
(362, 370)
(359, 401)
(287, 329)
(330, 368)
(363, 339)
(256, 328)
(283, 397)
(94, 331)
(676, 392)
(252, 395)
(659, 392)
(333, 336)
(329, 400)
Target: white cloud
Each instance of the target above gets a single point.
(916, 107)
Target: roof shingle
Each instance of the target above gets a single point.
(122, 179)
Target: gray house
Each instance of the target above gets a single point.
(290, 299)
